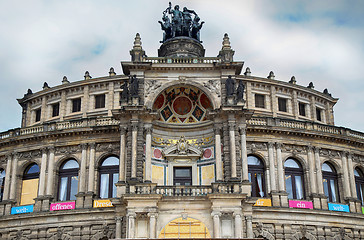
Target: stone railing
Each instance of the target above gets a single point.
(184, 190)
(181, 60)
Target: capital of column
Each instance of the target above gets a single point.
(119, 219)
(270, 144)
(242, 130)
(152, 215)
(131, 215)
(148, 129)
(236, 214)
(134, 126)
(83, 146)
(279, 145)
(51, 149)
(231, 125)
(248, 218)
(310, 148)
(217, 129)
(92, 145)
(344, 153)
(215, 214)
(44, 150)
(122, 130)
(316, 149)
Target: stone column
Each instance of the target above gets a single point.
(134, 144)
(152, 225)
(63, 105)
(347, 193)
(238, 225)
(249, 227)
(352, 176)
(232, 149)
(131, 225)
(244, 157)
(50, 172)
(148, 153)
(271, 167)
(7, 178)
(320, 186)
(83, 168)
(216, 221)
(219, 168)
(122, 155)
(281, 183)
(42, 174)
(118, 227)
(13, 177)
(91, 169)
(311, 165)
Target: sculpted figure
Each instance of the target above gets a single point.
(134, 86)
(196, 26)
(240, 91)
(177, 19)
(187, 21)
(166, 27)
(125, 93)
(230, 86)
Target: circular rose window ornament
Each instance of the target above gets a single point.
(182, 105)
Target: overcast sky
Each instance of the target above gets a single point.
(316, 41)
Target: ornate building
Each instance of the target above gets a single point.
(181, 146)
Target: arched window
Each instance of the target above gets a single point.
(29, 189)
(359, 181)
(109, 175)
(294, 179)
(2, 182)
(256, 176)
(68, 180)
(329, 176)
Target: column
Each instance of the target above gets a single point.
(50, 172)
(216, 220)
(249, 227)
(122, 155)
(152, 225)
(134, 142)
(13, 178)
(232, 149)
(118, 227)
(63, 106)
(238, 225)
(43, 166)
(219, 168)
(311, 165)
(110, 99)
(352, 176)
(281, 183)
(320, 186)
(131, 225)
(7, 178)
(148, 153)
(91, 169)
(244, 157)
(271, 167)
(83, 168)
(347, 192)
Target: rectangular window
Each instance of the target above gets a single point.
(282, 104)
(182, 176)
(38, 114)
(259, 101)
(76, 105)
(318, 114)
(55, 110)
(100, 101)
(302, 109)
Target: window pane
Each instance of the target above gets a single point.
(100, 101)
(74, 187)
(327, 168)
(290, 163)
(260, 184)
(259, 101)
(250, 177)
(362, 194)
(326, 188)
(104, 186)
(63, 189)
(70, 164)
(38, 114)
(110, 161)
(33, 169)
(302, 109)
(252, 160)
(318, 114)
(115, 179)
(282, 104)
(299, 187)
(289, 186)
(333, 190)
(182, 172)
(76, 105)
(55, 110)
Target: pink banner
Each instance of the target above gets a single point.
(300, 204)
(62, 206)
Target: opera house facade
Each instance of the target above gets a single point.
(181, 146)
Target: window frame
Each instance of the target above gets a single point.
(76, 105)
(252, 170)
(38, 115)
(359, 185)
(182, 179)
(2, 185)
(302, 109)
(259, 104)
(293, 172)
(110, 171)
(69, 173)
(282, 107)
(318, 114)
(100, 101)
(331, 176)
(55, 109)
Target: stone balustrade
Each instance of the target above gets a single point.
(205, 60)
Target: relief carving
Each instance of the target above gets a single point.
(214, 86)
(151, 86)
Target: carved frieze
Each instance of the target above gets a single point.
(214, 86)
(294, 149)
(67, 150)
(255, 146)
(107, 147)
(30, 154)
(150, 86)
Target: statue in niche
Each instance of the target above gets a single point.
(196, 27)
(125, 92)
(230, 86)
(134, 86)
(240, 91)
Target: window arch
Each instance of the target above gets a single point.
(2, 182)
(30, 184)
(68, 180)
(330, 177)
(256, 176)
(359, 182)
(294, 179)
(108, 176)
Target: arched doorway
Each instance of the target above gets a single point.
(185, 228)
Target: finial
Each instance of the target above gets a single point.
(247, 72)
(293, 80)
(137, 53)
(137, 42)
(112, 72)
(29, 92)
(65, 80)
(271, 75)
(327, 92)
(226, 42)
(226, 53)
(45, 85)
(310, 85)
(87, 75)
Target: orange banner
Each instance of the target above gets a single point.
(102, 203)
(263, 202)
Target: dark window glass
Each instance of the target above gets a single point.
(282, 104)
(38, 114)
(182, 176)
(329, 177)
(100, 101)
(256, 176)
(109, 175)
(68, 180)
(294, 179)
(318, 114)
(359, 181)
(2, 182)
(76, 105)
(259, 101)
(31, 172)
(302, 109)
(55, 110)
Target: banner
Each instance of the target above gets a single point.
(362, 210)
(102, 203)
(300, 204)
(338, 207)
(62, 206)
(263, 202)
(22, 209)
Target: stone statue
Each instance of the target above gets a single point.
(134, 86)
(196, 27)
(187, 21)
(230, 86)
(166, 27)
(125, 92)
(177, 19)
(240, 91)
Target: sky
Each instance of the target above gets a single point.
(315, 41)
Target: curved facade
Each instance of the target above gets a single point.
(181, 147)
